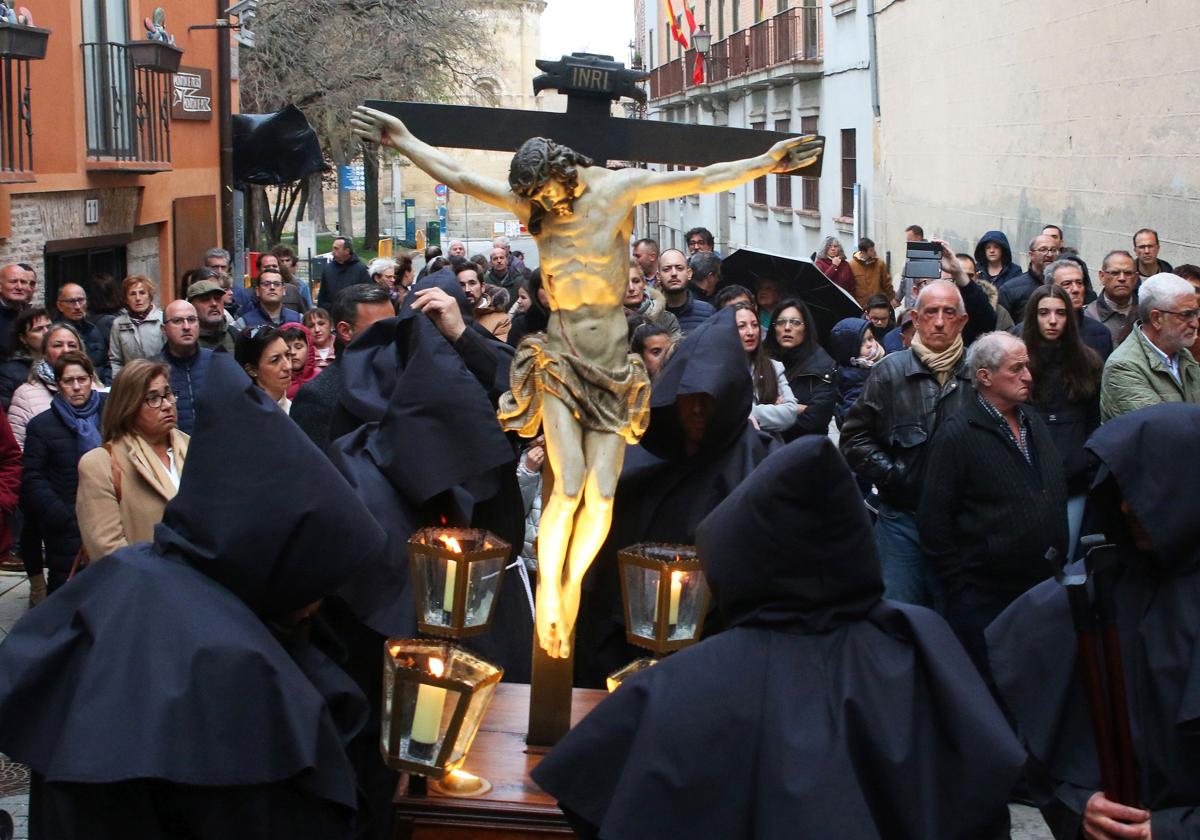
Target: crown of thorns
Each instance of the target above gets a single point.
(540, 160)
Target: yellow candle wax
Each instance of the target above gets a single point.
(676, 591)
(427, 718)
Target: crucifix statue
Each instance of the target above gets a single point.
(578, 382)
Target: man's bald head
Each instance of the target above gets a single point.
(72, 302)
(181, 326)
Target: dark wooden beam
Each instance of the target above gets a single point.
(603, 138)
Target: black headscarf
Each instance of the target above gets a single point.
(1148, 460)
(825, 712)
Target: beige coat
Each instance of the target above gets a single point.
(146, 488)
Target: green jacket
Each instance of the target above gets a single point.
(1135, 376)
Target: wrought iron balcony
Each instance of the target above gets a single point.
(128, 111)
(790, 37)
(16, 123)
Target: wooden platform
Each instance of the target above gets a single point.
(515, 808)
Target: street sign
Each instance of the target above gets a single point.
(441, 191)
(352, 178)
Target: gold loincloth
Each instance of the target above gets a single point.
(602, 400)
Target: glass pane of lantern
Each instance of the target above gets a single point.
(642, 586)
(482, 589)
(685, 602)
(480, 701)
(437, 582)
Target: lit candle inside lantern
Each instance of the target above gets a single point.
(451, 573)
(676, 591)
(427, 719)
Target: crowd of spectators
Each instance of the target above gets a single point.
(964, 405)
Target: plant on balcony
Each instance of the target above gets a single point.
(158, 52)
(19, 38)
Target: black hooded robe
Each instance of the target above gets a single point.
(663, 492)
(164, 706)
(823, 711)
(421, 445)
(1032, 644)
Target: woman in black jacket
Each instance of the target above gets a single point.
(1066, 388)
(792, 341)
(54, 443)
(25, 348)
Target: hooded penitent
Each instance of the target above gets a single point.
(434, 453)
(151, 690)
(822, 712)
(664, 492)
(1147, 459)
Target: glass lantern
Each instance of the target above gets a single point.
(456, 575)
(665, 596)
(434, 697)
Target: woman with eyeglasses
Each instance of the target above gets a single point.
(125, 485)
(263, 354)
(137, 331)
(56, 440)
(36, 394)
(810, 371)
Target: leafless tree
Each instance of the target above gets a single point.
(327, 56)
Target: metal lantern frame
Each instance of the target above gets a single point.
(427, 541)
(418, 674)
(664, 558)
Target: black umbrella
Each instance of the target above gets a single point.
(828, 302)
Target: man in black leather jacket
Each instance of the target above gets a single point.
(886, 434)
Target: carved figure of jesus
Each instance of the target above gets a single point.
(578, 381)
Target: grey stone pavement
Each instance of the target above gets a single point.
(14, 594)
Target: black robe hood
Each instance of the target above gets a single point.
(710, 360)
(433, 454)
(792, 545)
(1147, 458)
(155, 663)
(826, 712)
(1152, 486)
(233, 519)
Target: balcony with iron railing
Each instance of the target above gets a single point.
(788, 43)
(16, 122)
(128, 109)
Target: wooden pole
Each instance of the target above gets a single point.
(551, 679)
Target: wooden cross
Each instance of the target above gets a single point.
(591, 83)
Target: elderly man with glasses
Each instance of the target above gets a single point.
(1153, 365)
(268, 307)
(72, 304)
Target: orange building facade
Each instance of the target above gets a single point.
(113, 164)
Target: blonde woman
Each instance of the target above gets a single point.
(137, 331)
(125, 485)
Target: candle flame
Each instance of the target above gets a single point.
(451, 543)
(394, 650)
(436, 666)
(676, 577)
